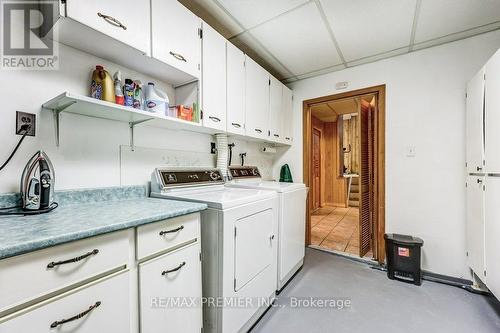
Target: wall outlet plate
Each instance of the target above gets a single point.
(213, 150)
(24, 118)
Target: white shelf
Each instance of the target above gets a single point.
(91, 107)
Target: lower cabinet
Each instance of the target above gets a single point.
(492, 230)
(102, 306)
(170, 292)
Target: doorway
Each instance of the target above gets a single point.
(344, 169)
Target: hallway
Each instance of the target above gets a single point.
(336, 228)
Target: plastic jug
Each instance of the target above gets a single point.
(155, 100)
(102, 86)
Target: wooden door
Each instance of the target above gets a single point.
(366, 204)
(316, 168)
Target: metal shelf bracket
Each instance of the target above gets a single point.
(56, 112)
(131, 125)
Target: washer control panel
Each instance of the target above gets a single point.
(244, 172)
(189, 177)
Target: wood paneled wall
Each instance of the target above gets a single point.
(333, 185)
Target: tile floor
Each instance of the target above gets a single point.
(336, 228)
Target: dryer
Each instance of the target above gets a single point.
(291, 217)
(239, 245)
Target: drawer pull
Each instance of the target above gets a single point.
(258, 130)
(214, 119)
(111, 20)
(178, 56)
(78, 316)
(236, 125)
(287, 138)
(171, 231)
(173, 269)
(276, 135)
(76, 259)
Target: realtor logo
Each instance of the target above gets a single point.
(27, 37)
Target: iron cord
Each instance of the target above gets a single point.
(26, 129)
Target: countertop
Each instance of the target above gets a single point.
(85, 213)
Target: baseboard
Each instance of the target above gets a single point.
(451, 279)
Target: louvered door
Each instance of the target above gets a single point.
(365, 178)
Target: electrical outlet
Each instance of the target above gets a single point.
(213, 150)
(24, 118)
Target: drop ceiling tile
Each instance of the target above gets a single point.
(378, 57)
(364, 28)
(253, 12)
(299, 40)
(444, 17)
(248, 44)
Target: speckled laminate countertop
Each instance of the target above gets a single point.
(82, 214)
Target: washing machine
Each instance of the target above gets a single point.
(291, 218)
(239, 245)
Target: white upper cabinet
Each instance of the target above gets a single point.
(492, 141)
(287, 116)
(275, 109)
(256, 100)
(125, 20)
(474, 120)
(214, 79)
(175, 35)
(235, 60)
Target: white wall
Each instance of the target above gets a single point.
(89, 152)
(425, 108)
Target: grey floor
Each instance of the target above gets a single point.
(377, 303)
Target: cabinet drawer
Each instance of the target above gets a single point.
(168, 286)
(156, 237)
(26, 277)
(103, 306)
(125, 20)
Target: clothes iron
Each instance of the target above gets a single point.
(37, 184)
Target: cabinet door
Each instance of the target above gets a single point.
(275, 109)
(235, 60)
(492, 230)
(475, 224)
(492, 142)
(125, 20)
(287, 116)
(168, 286)
(256, 100)
(474, 123)
(214, 79)
(175, 36)
(101, 306)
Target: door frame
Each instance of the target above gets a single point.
(379, 156)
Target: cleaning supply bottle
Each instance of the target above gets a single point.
(138, 96)
(102, 86)
(119, 98)
(128, 91)
(155, 99)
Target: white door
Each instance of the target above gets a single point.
(474, 123)
(253, 246)
(235, 60)
(287, 116)
(169, 285)
(125, 20)
(475, 224)
(492, 231)
(492, 142)
(275, 109)
(256, 100)
(214, 79)
(175, 35)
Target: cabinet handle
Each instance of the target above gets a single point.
(479, 181)
(111, 20)
(272, 237)
(236, 125)
(479, 168)
(171, 231)
(76, 259)
(178, 56)
(287, 138)
(173, 269)
(276, 135)
(214, 119)
(258, 130)
(78, 316)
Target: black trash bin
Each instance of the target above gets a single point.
(403, 258)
